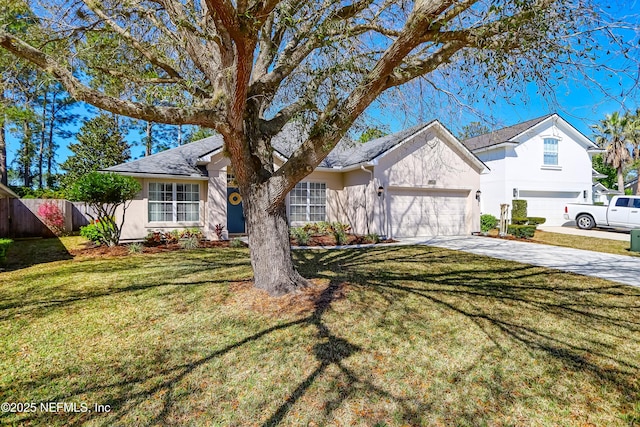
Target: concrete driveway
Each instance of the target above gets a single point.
(617, 268)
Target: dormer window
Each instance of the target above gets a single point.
(550, 152)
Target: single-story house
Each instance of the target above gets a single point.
(418, 182)
(545, 161)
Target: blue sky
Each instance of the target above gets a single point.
(580, 101)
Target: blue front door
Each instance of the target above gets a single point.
(235, 215)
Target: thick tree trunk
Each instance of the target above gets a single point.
(269, 246)
(3, 153)
(620, 179)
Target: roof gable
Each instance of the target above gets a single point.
(511, 134)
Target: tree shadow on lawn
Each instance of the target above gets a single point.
(24, 253)
(482, 294)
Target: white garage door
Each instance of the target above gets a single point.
(415, 213)
(550, 204)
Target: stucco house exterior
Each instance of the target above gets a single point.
(418, 182)
(545, 161)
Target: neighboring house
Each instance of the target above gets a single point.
(602, 194)
(418, 182)
(545, 161)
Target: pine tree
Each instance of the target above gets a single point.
(99, 145)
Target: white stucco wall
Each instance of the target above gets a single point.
(432, 167)
(137, 225)
(547, 189)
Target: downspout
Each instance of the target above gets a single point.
(366, 210)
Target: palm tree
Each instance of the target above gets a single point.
(633, 137)
(611, 134)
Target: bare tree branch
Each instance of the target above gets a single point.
(198, 116)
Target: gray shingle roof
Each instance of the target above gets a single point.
(183, 160)
(347, 152)
(502, 135)
(176, 161)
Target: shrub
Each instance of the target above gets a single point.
(155, 238)
(300, 235)
(519, 209)
(104, 193)
(135, 248)
(97, 231)
(340, 236)
(519, 221)
(219, 229)
(598, 203)
(522, 231)
(372, 238)
(237, 243)
(4, 247)
(189, 243)
(51, 215)
(488, 222)
(536, 220)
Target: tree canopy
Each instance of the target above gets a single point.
(99, 145)
(246, 68)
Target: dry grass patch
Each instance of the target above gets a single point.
(386, 336)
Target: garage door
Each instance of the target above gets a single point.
(550, 204)
(415, 213)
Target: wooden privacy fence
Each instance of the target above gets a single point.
(19, 217)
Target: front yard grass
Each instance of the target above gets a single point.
(617, 247)
(387, 336)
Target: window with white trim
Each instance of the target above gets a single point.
(551, 152)
(308, 201)
(174, 202)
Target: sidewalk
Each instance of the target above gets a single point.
(617, 268)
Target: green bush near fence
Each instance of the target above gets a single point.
(4, 247)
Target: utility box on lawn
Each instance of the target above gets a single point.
(635, 240)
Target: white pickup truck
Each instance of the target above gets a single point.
(622, 212)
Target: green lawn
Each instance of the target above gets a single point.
(587, 243)
(388, 336)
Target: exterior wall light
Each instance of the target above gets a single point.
(515, 193)
(478, 193)
(380, 191)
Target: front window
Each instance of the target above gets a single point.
(307, 202)
(551, 151)
(173, 202)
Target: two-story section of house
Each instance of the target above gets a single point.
(545, 161)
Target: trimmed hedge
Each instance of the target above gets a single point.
(530, 220)
(522, 231)
(536, 220)
(519, 221)
(519, 209)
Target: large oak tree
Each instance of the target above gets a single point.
(246, 68)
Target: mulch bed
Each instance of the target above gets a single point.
(325, 240)
(315, 298)
(93, 251)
